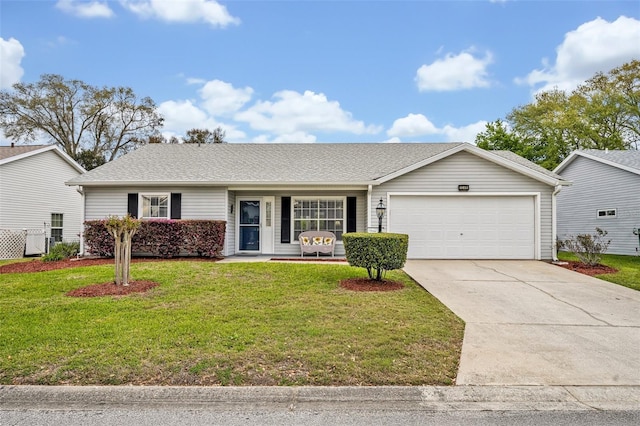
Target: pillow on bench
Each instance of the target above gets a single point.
(317, 241)
(305, 241)
(328, 241)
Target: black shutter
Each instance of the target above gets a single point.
(285, 220)
(132, 205)
(351, 214)
(176, 205)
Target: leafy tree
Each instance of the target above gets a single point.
(604, 112)
(205, 136)
(89, 159)
(87, 122)
(497, 137)
(158, 138)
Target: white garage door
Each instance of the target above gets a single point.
(470, 227)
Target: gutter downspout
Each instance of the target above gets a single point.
(82, 215)
(554, 245)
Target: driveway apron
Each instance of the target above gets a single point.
(533, 323)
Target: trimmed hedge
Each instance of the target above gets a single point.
(163, 238)
(380, 252)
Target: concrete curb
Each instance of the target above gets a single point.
(321, 398)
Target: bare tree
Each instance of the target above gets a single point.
(102, 123)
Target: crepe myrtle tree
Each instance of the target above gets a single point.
(122, 229)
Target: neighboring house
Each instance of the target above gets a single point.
(33, 194)
(604, 195)
(453, 199)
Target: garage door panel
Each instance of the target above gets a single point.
(471, 227)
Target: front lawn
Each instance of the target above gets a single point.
(231, 324)
(628, 268)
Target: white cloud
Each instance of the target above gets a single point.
(455, 72)
(595, 46)
(180, 116)
(207, 11)
(412, 125)
(297, 137)
(221, 98)
(293, 112)
(11, 54)
(416, 125)
(93, 9)
(466, 133)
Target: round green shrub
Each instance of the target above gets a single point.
(376, 252)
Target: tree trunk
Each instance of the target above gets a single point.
(117, 257)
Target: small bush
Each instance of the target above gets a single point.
(379, 252)
(588, 248)
(62, 251)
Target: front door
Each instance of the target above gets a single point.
(249, 226)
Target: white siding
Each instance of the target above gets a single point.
(230, 237)
(599, 186)
(197, 202)
(482, 176)
(33, 187)
(208, 203)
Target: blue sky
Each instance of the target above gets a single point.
(321, 71)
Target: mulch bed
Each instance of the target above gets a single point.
(588, 270)
(111, 289)
(37, 265)
(309, 259)
(365, 284)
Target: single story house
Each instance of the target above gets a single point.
(33, 195)
(604, 195)
(455, 200)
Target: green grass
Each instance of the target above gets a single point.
(230, 324)
(628, 268)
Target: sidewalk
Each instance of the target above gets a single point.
(321, 398)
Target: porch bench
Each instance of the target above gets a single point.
(317, 242)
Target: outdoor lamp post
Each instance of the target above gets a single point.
(380, 209)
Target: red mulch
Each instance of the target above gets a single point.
(588, 270)
(310, 259)
(365, 284)
(37, 265)
(111, 289)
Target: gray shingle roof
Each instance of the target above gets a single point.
(524, 162)
(627, 158)
(318, 163)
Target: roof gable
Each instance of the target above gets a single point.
(10, 154)
(628, 160)
(506, 159)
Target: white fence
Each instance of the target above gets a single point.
(36, 242)
(12, 243)
(15, 243)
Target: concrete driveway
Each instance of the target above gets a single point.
(532, 323)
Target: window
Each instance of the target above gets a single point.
(607, 213)
(155, 206)
(56, 227)
(324, 214)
